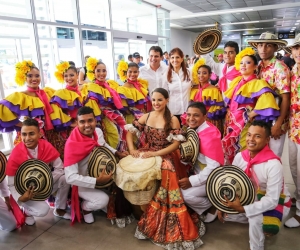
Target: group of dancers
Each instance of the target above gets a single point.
(239, 115)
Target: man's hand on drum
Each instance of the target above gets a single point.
(184, 183)
(135, 153)
(103, 177)
(148, 154)
(121, 154)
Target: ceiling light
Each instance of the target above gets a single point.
(211, 13)
(242, 29)
(294, 27)
(296, 23)
(245, 34)
(243, 18)
(175, 25)
(291, 31)
(209, 25)
(240, 22)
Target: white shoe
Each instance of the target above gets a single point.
(29, 220)
(88, 218)
(292, 222)
(211, 217)
(66, 216)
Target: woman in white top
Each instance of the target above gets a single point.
(178, 82)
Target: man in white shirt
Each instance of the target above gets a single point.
(83, 139)
(32, 147)
(210, 156)
(154, 71)
(266, 172)
(226, 71)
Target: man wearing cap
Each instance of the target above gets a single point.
(226, 71)
(137, 59)
(83, 139)
(265, 170)
(154, 71)
(294, 129)
(210, 156)
(277, 74)
(32, 147)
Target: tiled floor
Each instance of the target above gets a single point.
(54, 234)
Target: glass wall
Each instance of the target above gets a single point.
(49, 31)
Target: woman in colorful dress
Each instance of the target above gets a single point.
(177, 81)
(166, 221)
(248, 98)
(210, 95)
(33, 103)
(68, 99)
(134, 92)
(102, 97)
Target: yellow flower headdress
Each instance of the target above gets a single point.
(245, 52)
(22, 68)
(91, 64)
(62, 67)
(199, 63)
(122, 70)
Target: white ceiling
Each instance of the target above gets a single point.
(242, 16)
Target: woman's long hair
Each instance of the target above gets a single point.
(167, 113)
(186, 75)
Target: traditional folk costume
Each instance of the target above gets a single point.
(7, 218)
(48, 154)
(77, 152)
(272, 203)
(166, 221)
(294, 141)
(243, 96)
(210, 156)
(105, 101)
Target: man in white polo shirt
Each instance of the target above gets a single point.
(154, 71)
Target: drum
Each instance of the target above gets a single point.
(137, 177)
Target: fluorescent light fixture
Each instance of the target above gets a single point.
(294, 27)
(211, 13)
(296, 23)
(242, 29)
(209, 25)
(240, 22)
(175, 25)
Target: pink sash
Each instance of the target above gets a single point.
(116, 98)
(198, 96)
(227, 76)
(74, 89)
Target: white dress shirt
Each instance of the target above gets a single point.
(154, 78)
(179, 92)
(270, 179)
(201, 175)
(77, 173)
(57, 164)
(4, 191)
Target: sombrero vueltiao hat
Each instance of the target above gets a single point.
(35, 173)
(3, 162)
(268, 37)
(229, 181)
(288, 48)
(102, 158)
(208, 40)
(189, 150)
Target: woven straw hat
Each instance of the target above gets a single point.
(230, 181)
(102, 158)
(289, 47)
(208, 40)
(3, 162)
(268, 37)
(189, 150)
(35, 173)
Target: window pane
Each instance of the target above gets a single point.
(163, 22)
(15, 8)
(56, 11)
(21, 46)
(94, 12)
(134, 16)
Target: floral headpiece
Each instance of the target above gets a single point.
(62, 67)
(245, 52)
(22, 68)
(199, 63)
(91, 64)
(122, 70)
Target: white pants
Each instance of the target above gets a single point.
(256, 234)
(7, 219)
(277, 145)
(61, 188)
(196, 198)
(294, 161)
(94, 199)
